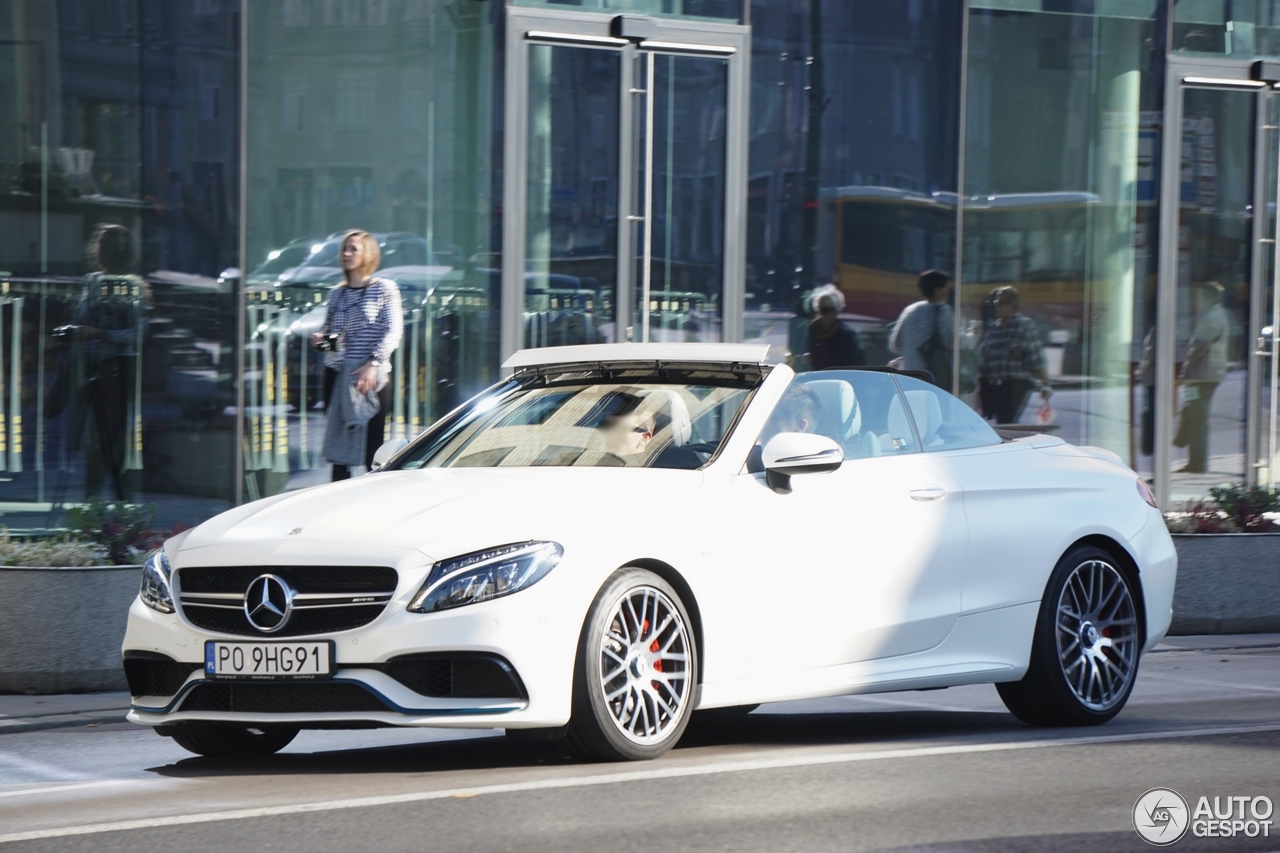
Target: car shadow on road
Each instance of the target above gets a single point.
(843, 729)
(705, 731)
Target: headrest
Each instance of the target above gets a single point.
(927, 412)
(668, 404)
(899, 423)
(839, 400)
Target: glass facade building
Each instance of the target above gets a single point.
(175, 177)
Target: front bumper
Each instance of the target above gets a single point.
(538, 648)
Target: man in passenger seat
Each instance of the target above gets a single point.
(797, 411)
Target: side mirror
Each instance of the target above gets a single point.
(386, 451)
(790, 453)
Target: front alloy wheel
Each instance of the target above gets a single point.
(1084, 657)
(636, 670)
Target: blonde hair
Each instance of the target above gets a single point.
(372, 254)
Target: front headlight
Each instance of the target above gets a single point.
(154, 590)
(477, 577)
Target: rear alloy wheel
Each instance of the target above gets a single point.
(636, 671)
(1084, 658)
(232, 741)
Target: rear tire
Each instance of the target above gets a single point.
(232, 741)
(636, 670)
(1084, 655)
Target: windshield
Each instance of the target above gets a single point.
(323, 255)
(634, 424)
(283, 259)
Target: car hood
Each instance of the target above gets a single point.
(442, 512)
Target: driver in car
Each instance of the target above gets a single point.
(627, 427)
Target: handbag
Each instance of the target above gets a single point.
(937, 355)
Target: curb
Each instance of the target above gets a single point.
(16, 725)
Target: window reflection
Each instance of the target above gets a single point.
(116, 323)
(376, 116)
(1063, 129)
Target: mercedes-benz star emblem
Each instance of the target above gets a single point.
(268, 602)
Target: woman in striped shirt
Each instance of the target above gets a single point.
(365, 315)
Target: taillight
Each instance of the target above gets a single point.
(1145, 492)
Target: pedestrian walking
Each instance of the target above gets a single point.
(1011, 361)
(831, 343)
(362, 328)
(925, 332)
(1204, 367)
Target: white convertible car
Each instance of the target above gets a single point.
(619, 535)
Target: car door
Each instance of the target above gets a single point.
(1015, 499)
(862, 563)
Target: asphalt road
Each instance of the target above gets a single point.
(935, 771)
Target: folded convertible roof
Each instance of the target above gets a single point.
(614, 353)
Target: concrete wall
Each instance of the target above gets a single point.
(1227, 584)
(62, 628)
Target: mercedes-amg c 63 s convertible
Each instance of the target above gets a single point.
(619, 535)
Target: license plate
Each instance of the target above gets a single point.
(268, 661)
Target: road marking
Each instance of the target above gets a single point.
(1204, 682)
(716, 768)
(57, 789)
(41, 771)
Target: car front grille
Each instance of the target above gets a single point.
(153, 674)
(282, 698)
(326, 598)
(458, 677)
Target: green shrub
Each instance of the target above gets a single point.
(1230, 509)
(123, 530)
(64, 550)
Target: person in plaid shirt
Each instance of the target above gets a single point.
(1012, 361)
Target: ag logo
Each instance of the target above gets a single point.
(1161, 816)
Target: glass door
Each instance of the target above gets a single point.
(1218, 288)
(1266, 376)
(679, 207)
(571, 202)
(625, 166)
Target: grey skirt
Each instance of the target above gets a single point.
(349, 413)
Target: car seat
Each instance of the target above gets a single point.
(899, 436)
(927, 413)
(675, 429)
(841, 402)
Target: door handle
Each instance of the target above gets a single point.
(928, 493)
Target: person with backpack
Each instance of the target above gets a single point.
(925, 332)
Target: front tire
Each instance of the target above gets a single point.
(1084, 656)
(636, 670)
(232, 741)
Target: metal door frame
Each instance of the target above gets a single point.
(670, 36)
(1184, 73)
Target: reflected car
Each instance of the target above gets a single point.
(620, 535)
(281, 261)
(321, 267)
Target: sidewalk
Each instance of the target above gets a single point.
(1218, 642)
(33, 713)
